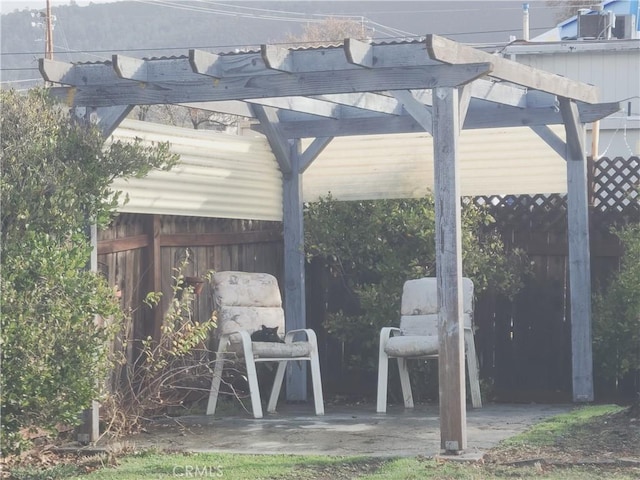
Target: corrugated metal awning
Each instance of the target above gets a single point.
(227, 176)
(492, 161)
(219, 175)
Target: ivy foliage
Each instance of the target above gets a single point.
(616, 327)
(375, 246)
(56, 178)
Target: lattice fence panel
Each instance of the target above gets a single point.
(615, 183)
(616, 198)
(537, 212)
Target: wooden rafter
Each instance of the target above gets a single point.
(346, 88)
(453, 53)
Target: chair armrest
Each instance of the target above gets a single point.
(387, 332)
(244, 336)
(310, 334)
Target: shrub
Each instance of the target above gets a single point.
(56, 178)
(616, 327)
(375, 246)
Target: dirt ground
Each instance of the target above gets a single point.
(612, 439)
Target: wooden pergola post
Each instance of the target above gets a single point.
(294, 283)
(579, 253)
(106, 119)
(451, 374)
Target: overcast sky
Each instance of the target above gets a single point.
(452, 17)
(8, 6)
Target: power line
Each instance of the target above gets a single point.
(268, 12)
(233, 47)
(278, 15)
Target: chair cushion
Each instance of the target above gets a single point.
(419, 296)
(419, 324)
(412, 345)
(245, 289)
(285, 350)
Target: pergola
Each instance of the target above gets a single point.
(433, 85)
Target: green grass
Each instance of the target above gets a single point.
(413, 469)
(290, 467)
(228, 466)
(547, 431)
(51, 473)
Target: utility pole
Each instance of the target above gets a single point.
(48, 42)
(525, 21)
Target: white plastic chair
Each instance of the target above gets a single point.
(417, 338)
(244, 303)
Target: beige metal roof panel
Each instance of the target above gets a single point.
(219, 175)
(494, 161)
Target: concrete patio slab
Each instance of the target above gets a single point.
(343, 430)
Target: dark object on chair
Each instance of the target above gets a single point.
(266, 334)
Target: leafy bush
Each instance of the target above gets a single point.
(52, 351)
(616, 327)
(375, 246)
(56, 178)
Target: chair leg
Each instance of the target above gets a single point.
(252, 377)
(405, 383)
(383, 378)
(316, 382)
(277, 386)
(472, 367)
(217, 376)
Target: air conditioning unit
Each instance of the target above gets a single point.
(625, 27)
(595, 25)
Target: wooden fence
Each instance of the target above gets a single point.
(140, 254)
(524, 345)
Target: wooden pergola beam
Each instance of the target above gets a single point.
(454, 53)
(67, 73)
(271, 124)
(485, 115)
(417, 110)
(106, 119)
(276, 85)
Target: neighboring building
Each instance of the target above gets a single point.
(599, 46)
(613, 66)
(612, 19)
